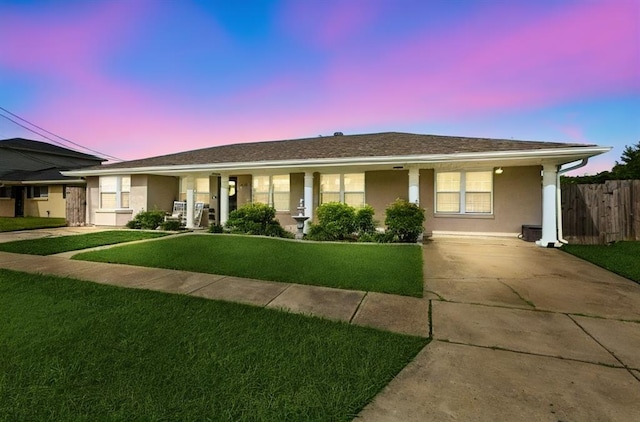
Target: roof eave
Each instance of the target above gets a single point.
(552, 155)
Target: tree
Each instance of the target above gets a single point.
(629, 168)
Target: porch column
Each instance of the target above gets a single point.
(191, 196)
(308, 198)
(414, 185)
(224, 199)
(549, 207)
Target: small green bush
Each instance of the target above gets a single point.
(336, 221)
(170, 225)
(147, 220)
(256, 219)
(215, 228)
(404, 221)
(364, 221)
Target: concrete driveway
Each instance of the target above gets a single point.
(520, 333)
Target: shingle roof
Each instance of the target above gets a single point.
(37, 146)
(32, 176)
(343, 146)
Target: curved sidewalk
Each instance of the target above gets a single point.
(399, 314)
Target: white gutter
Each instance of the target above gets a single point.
(562, 171)
(547, 154)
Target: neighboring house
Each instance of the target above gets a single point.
(31, 184)
(466, 185)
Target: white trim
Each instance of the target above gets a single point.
(558, 155)
(52, 182)
(549, 207)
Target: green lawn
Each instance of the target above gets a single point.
(72, 350)
(621, 257)
(383, 268)
(9, 224)
(53, 245)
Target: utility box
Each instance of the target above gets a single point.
(531, 233)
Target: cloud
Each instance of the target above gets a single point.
(583, 50)
(64, 42)
(328, 24)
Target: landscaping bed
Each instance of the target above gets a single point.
(73, 350)
(385, 268)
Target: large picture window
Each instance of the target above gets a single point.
(273, 191)
(464, 192)
(114, 192)
(347, 188)
(201, 187)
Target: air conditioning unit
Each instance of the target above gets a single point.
(531, 233)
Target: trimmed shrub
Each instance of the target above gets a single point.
(215, 228)
(147, 220)
(364, 221)
(336, 221)
(404, 221)
(256, 219)
(170, 225)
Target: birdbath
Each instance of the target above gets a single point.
(300, 219)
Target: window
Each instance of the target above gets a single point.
(347, 188)
(201, 187)
(38, 192)
(463, 192)
(272, 190)
(5, 192)
(114, 191)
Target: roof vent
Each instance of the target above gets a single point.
(338, 133)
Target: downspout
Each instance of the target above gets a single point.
(561, 171)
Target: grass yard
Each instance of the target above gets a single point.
(621, 257)
(383, 268)
(53, 245)
(73, 350)
(10, 224)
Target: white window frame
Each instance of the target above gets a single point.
(118, 192)
(202, 188)
(462, 192)
(272, 191)
(342, 189)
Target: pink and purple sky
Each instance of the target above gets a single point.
(141, 78)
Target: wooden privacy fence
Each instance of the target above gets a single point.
(602, 213)
(76, 205)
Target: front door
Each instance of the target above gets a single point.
(233, 194)
(18, 195)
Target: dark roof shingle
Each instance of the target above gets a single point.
(344, 146)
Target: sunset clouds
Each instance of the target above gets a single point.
(145, 78)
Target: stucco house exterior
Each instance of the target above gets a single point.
(466, 185)
(31, 184)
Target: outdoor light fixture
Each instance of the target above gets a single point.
(498, 170)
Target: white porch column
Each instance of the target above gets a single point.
(191, 196)
(549, 207)
(308, 198)
(414, 185)
(224, 199)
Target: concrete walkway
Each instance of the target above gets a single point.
(399, 314)
(521, 333)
